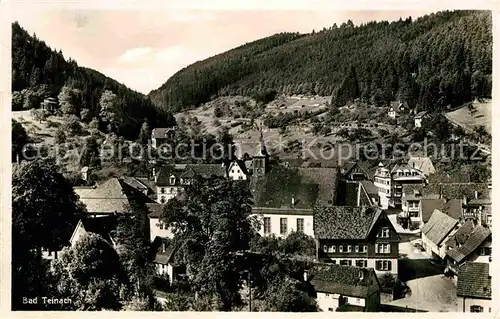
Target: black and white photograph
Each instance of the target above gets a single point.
(285, 160)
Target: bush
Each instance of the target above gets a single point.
(60, 136)
(72, 125)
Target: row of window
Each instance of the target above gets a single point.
(163, 190)
(283, 225)
(382, 181)
(381, 265)
(379, 248)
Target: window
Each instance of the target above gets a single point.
(161, 225)
(356, 249)
(382, 248)
(476, 308)
(331, 248)
(325, 248)
(361, 263)
(267, 225)
(162, 190)
(485, 251)
(341, 248)
(365, 248)
(300, 225)
(383, 265)
(327, 295)
(358, 301)
(172, 180)
(345, 262)
(162, 200)
(283, 226)
(241, 177)
(232, 171)
(349, 248)
(384, 233)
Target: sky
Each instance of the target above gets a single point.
(142, 49)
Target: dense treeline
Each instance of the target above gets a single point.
(39, 72)
(437, 60)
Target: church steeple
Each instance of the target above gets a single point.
(260, 160)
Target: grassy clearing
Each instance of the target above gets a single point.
(464, 118)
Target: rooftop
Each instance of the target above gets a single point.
(344, 222)
(108, 197)
(188, 171)
(476, 237)
(461, 235)
(474, 280)
(345, 280)
(438, 227)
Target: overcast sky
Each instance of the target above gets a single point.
(142, 49)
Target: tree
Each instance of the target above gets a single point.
(109, 104)
(90, 274)
(67, 100)
(19, 139)
(144, 134)
(343, 133)
(44, 206)
(60, 136)
(212, 224)
(39, 114)
(72, 125)
(17, 101)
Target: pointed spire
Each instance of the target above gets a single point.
(262, 147)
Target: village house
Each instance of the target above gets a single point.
(353, 171)
(166, 260)
(423, 164)
(237, 170)
(390, 182)
(49, 104)
(418, 119)
(357, 193)
(436, 232)
(160, 136)
(357, 236)
(478, 208)
(171, 180)
(471, 243)
(346, 287)
(396, 108)
(474, 287)
(103, 226)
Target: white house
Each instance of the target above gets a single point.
(237, 170)
(282, 221)
(383, 183)
(436, 232)
(160, 135)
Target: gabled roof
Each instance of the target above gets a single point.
(102, 226)
(438, 227)
(478, 235)
(369, 187)
(240, 164)
(141, 184)
(453, 208)
(423, 164)
(420, 114)
(108, 197)
(344, 222)
(344, 280)
(449, 190)
(474, 280)
(461, 235)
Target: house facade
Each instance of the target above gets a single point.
(237, 170)
(156, 227)
(339, 286)
(418, 119)
(356, 236)
(160, 136)
(280, 222)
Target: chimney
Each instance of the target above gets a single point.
(464, 200)
(305, 275)
(361, 274)
(476, 194)
(293, 201)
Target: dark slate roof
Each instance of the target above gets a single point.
(102, 226)
(188, 171)
(423, 164)
(348, 166)
(438, 227)
(140, 183)
(453, 208)
(281, 211)
(478, 235)
(345, 280)
(348, 193)
(155, 209)
(308, 186)
(461, 236)
(474, 280)
(344, 222)
(428, 206)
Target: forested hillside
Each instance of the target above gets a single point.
(437, 60)
(39, 72)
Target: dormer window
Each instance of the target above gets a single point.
(172, 179)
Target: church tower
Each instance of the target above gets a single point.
(260, 162)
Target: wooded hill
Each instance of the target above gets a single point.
(437, 60)
(39, 72)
